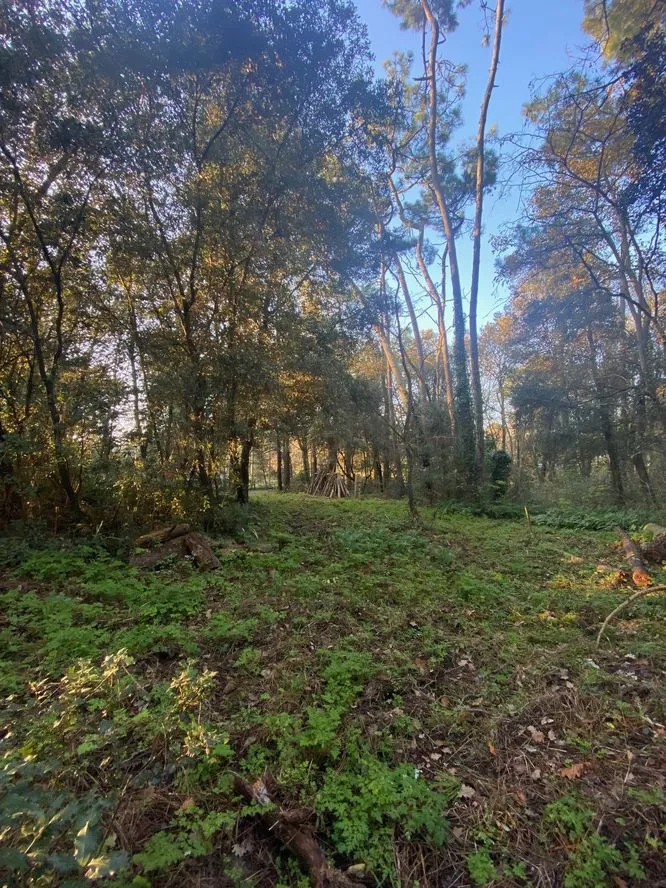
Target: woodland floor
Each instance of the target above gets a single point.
(431, 697)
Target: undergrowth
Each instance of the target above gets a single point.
(428, 697)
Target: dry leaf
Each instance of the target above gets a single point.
(537, 736)
(573, 772)
(466, 792)
(491, 748)
(536, 774)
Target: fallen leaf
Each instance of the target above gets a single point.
(466, 792)
(491, 748)
(435, 756)
(536, 774)
(573, 772)
(537, 736)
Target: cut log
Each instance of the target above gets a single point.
(153, 557)
(199, 548)
(639, 569)
(157, 537)
(301, 843)
(655, 551)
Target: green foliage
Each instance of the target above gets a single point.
(586, 519)
(481, 867)
(368, 802)
(350, 655)
(591, 858)
(192, 833)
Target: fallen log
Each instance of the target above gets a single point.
(163, 535)
(639, 569)
(153, 557)
(200, 550)
(302, 844)
(626, 603)
(193, 545)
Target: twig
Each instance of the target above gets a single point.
(626, 603)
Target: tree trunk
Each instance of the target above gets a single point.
(243, 484)
(306, 462)
(476, 249)
(279, 464)
(644, 477)
(286, 463)
(466, 443)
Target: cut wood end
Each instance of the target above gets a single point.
(641, 579)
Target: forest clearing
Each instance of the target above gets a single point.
(426, 701)
(332, 443)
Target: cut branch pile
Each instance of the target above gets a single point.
(330, 484)
(655, 551)
(177, 539)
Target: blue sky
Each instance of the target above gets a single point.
(541, 38)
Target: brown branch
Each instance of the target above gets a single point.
(294, 838)
(626, 603)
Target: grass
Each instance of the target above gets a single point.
(430, 697)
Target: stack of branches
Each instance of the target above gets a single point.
(329, 483)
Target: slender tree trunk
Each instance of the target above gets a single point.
(279, 464)
(377, 468)
(644, 477)
(606, 424)
(243, 484)
(306, 462)
(466, 443)
(286, 464)
(416, 333)
(476, 237)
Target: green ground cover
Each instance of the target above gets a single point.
(430, 696)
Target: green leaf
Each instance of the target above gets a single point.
(86, 842)
(64, 864)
